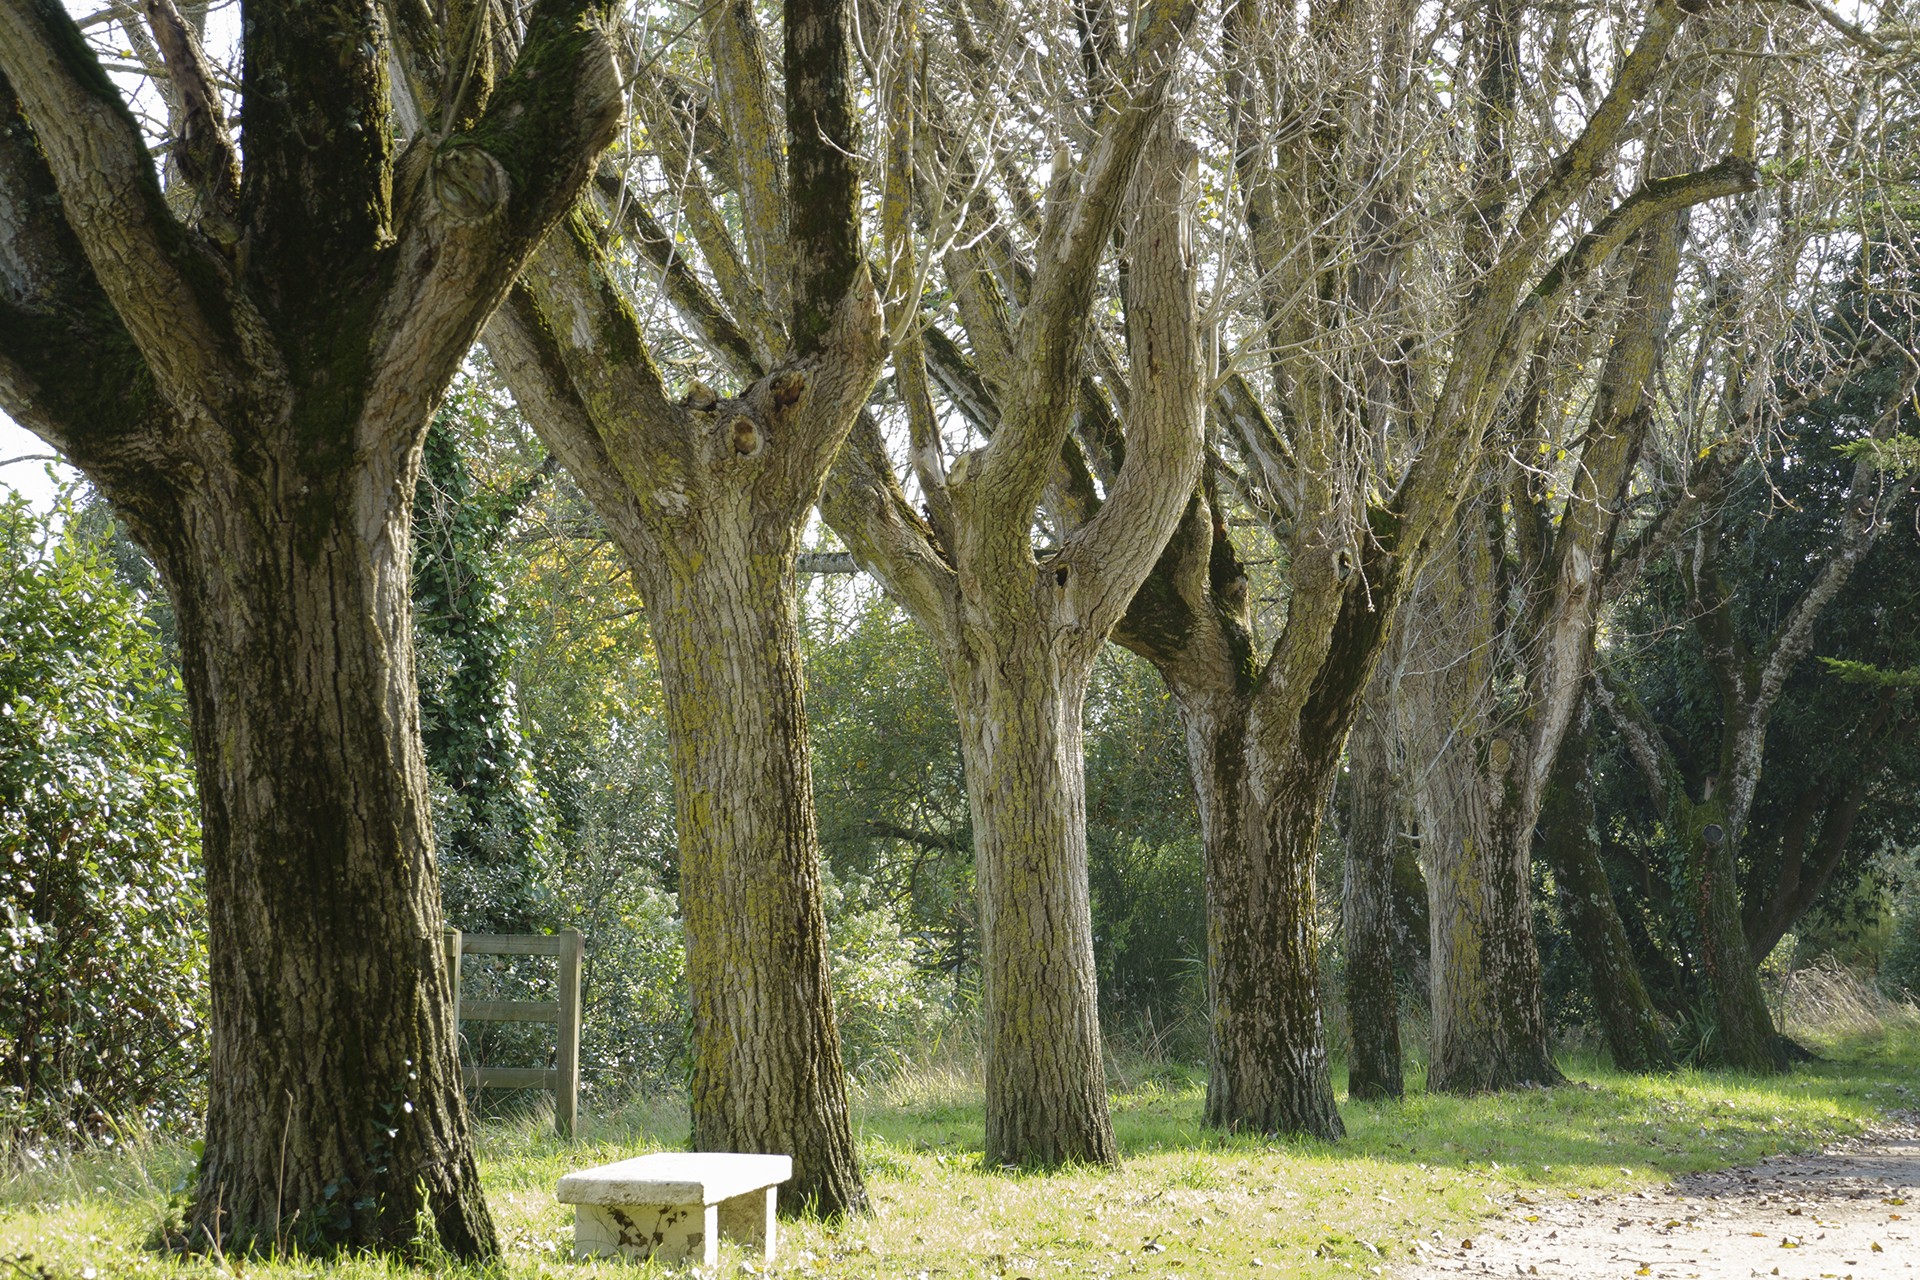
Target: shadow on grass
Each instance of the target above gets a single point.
(1602, 1120)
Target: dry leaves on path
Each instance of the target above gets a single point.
(1850, 1211)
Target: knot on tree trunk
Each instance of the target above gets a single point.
(469, 186)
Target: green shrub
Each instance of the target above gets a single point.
(888, 1001)
(102, 942)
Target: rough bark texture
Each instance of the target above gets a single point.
(1272, 1074)
(1020, 742)
(1568, 840)
(1489, 1022)
(248, 383)
(1367, 909)
(335, 1104)
(766, 1051)
(1743, 1036)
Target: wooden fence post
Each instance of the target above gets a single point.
(566, 1100)
(451, 940)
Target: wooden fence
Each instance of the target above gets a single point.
(564, 1076)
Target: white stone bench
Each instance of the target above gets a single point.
(675, 1205)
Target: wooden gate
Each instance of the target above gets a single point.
(564, 1076)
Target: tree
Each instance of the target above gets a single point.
(1017, 633)
(705, 496)
(1376, 802)
(1569, 843)
(1354, 434)
(1751, 829)
(244, 364)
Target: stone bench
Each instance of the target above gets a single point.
(675, 1205)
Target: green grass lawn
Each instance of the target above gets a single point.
(1186, 1203)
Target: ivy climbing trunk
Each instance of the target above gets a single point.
(1568, 841)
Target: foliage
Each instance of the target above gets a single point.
(102, 944)
(887, 780)
(887, 1002)
(490, 822)
(1143, 848)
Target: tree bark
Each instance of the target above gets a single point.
(1270, 1073)
(1743, 1035)
(1569, 842)
(767, 1073)
(706, 506)
(335, 1116)
(1476, 825)
(1739, 1029)
(1369, 929)
(1019, 707)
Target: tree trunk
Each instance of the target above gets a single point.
(1489, 1027)
(1476, 827)
(767, 1072)
(1269, 1070)
(1742, 1035)
(1568, 840)
(1019, 704)
(335, 1119)
(1367, 913)
(246, 368)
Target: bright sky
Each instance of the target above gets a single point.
(29, 478)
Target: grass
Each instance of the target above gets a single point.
(1187, 1202)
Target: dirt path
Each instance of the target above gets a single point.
(1852, 1211)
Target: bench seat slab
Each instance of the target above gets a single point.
(675, 1206)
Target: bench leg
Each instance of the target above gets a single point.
(669, 1232)
(748, 1219)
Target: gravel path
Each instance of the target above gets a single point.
(1852, 1211)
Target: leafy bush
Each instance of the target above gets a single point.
(102, 943)
(887, 999)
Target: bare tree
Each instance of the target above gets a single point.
(1383, 345)
(1017, 633)
(706, 495)
(245, 366)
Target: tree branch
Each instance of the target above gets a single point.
(169, 291)
(203, 149)
(484, 200)
(1009, 474)
(745, 99)
(1115, 549)
(1644, 744)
